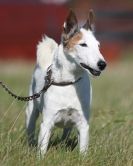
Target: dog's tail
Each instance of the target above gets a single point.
(45, 52)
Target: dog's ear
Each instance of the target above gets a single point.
(70, 26)
(90, 21)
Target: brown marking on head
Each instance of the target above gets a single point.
(74, 40)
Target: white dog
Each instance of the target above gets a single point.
(66, 103)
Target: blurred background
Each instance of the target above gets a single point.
(23, 23)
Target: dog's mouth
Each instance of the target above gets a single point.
(92, 71)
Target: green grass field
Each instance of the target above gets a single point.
(111, 121)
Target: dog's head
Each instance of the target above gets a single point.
(81, 44)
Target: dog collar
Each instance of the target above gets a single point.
(50, 81)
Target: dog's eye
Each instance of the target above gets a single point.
(83, 45)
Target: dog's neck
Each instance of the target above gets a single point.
(64, 67)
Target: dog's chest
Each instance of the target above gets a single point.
(61, 97)
(75, 96)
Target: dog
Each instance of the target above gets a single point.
(71, 62)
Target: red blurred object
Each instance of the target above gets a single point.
(111, 51)
(22, 26)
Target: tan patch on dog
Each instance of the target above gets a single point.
(74, 40)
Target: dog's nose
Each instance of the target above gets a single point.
(102, 64)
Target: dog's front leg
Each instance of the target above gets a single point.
(83, 129)
(44, 136)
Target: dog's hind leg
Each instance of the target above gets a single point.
(32, 114)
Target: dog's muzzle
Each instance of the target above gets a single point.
(92, 71)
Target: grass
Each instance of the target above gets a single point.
(111, 121)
